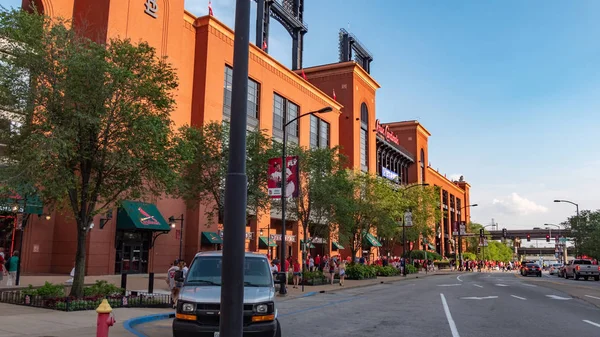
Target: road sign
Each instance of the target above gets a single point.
(563, 240)
(408, 219)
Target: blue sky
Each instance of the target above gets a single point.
(508, 90)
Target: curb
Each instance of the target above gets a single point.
(130, 324)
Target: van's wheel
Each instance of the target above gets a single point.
(278, 331)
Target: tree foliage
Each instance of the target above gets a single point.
(96, 125)
(321, 176)
(585, 232)
(203, 177)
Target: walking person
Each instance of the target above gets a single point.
(297, 273)
(342, 271)
(171, 282)
(332, 269)
(13, 264)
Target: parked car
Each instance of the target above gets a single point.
(198, 305)
(582, 268)
(531, 269)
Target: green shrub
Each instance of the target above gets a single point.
(48, 290)
(387, 271)
(419, 255)
(469, 256)
(410, 269)
(102, 288)
(361, 272)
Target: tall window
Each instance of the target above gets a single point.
(319, 132)
(283, 111)
(422, 166)
(364, 137)
(253, 98)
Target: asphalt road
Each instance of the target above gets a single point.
(456, 305)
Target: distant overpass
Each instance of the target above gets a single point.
(533, 233)
(540, 251)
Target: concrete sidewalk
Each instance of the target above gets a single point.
(20, 321)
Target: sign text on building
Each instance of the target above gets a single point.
(393, 176)
(151, 8)
(288, 238)
(384, 130)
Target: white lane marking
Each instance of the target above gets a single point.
(548, 276)
(449, 285)
(477, 285)
(449, 317)
(519, 297)
(594, 297)
(501, 285)
(478, 298)
(529, 285)
(592, 323)
(458, 278)
(555, 297)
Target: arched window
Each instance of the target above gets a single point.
(422, 166)
(364, 137)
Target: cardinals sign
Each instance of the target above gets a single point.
(275, 177)
(147, 219)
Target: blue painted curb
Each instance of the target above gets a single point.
(312, 293)
(130, 324)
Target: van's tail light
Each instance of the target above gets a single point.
(598, 268)
(577, 268)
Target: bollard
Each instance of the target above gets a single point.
(150, 283)
(124, 281)
(105, 320)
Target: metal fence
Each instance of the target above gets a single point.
(131, 299)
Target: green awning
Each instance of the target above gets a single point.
(134, 215)
(372, 240)
(337, 245)
(310, 244)
(211, 238)
(263, 242)
(22, 200)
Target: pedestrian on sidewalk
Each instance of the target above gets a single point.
(331, 263)
(297, 273)
(342, 271)
(171, 282)
(13, 264)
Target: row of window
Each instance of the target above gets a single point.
(284, 111)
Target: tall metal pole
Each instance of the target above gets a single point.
(181, 239)
(404, 246)
(576, 250)
(232, 278)
(304, 255)
(282, 288)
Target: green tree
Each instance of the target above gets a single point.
(321, 175)
(585, 232)
(473, 241)
(96, 125)
(203, 177)
(360, 208)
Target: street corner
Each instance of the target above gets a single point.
(149, 325)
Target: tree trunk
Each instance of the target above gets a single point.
(78, 279)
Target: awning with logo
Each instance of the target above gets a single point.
(263, 242)
(22, 200)
(137, 215)
(310, 244)
(372, 240)
(337, 245)
(211, 238)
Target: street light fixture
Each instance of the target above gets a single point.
(172, 221)
(577, 221)
(282, 288)
(559, 243)
(404, 227)
(460, 234)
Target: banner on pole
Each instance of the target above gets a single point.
(275, 183)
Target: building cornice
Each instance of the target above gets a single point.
(410, 124)
(448, 181)
(256, 54)
(343, 68)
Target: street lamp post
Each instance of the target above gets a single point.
(172, 220)
(404, 227)
(577, 209)
(460, 234)
(483, 244)
(564, 251)
(282, 288)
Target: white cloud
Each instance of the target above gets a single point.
(516, 204)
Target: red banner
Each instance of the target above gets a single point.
(275, 177)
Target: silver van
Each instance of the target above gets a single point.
(198, 306)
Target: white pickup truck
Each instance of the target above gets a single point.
(582, 268)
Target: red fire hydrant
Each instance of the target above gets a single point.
(105, 320)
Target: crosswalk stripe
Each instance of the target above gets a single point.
(519, 297)
(592, 323)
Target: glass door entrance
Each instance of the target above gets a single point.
(132, 253)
